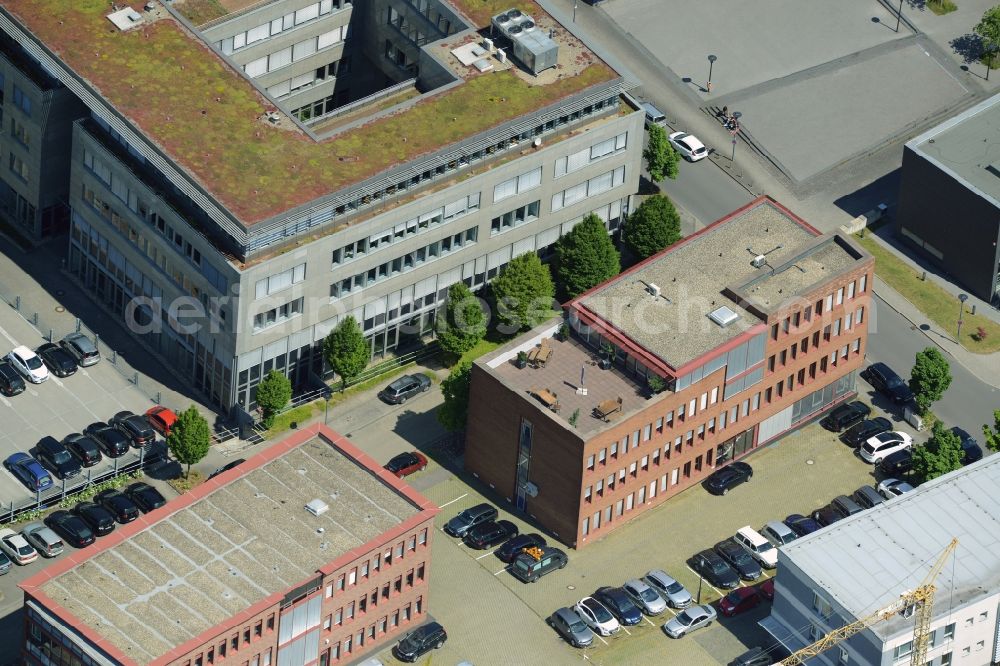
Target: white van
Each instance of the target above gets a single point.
(653, 115)
(759, 548)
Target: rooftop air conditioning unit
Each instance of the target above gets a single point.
(653, 289)
(758, 261)
(501, 56)
(488, 45)
(317, 507)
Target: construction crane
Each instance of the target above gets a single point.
(918, 602)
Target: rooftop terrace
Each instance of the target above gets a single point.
(212, 121)
(164, 580)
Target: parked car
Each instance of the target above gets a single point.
(759, 548)
(860, 433)
(842, 506)
(722, 480)
(469, 518)
(759, 656)
(59, 362)
(653, 115)
(118, 503)
(689, 146)
(11, 382)
(846, 416)
(766, 589)
(145, 496)
(532, 564)
(880, 446)
(81, 348)
(228, 466)
(57, 458)
(778, 533)
(406, 463)
(688, 620)
(43, 539)
(85, 449)
(715, 570)
(802, 525)
(420, 641)
(487, 535)
(72, 529)
(28, 364)
(826, 515)
(571, 627)
(616, 600)
(644, 597)
(98, 519)
(597, 617)
(516, 545)
(405, 388)
(889, 488)
(17, 547)
(867, 497)
(971, 451)
(134, 427)
(897, 464)
(884, 380)
(739, 601)
(29, 471)
(161, 419)
(675, 594)
(738, 558)
(5, 563)
(114, 443)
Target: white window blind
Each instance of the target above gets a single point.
(256, 67)
(560, 167)
(329, 38)
(498, 257)
(578, 160)
(599, 184)
(547, 237)
(524, 245)
(325, 6)
(574, 194)
(303, 80)
(603, 148)
(306, 14)
(619, 177)
(506, 189)
(280, 59)
(456, 207)
(529, 180)
(620, 141)
(259, 33)
(304, 49)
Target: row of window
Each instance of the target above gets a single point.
(19, 131)
(588, 188)
(370, 600)
(375, 564)
(830, 331)
(585, 157)
(278, 315)
(22, 101)
(632, 500)
(294, 53)
(280, 281)
(276, 26)
(796, 319)
(343, 649)
(515, 218)
(518, 185)
(233, 645)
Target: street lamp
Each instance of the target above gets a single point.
(962, 298)
(711, 63)
(899, 14)
(701, 576)
(576, 3)
(736, 117)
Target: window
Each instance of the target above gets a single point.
(280, 281)
(523, 183)
(903, 650)
(840, 296)
(949, 632)
(22, 101)
(590, 462)
(18, 167)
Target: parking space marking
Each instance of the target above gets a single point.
(671, 611)
(486, 554)
(56, 380)
(453, 501)
(5, 401)
(626, 631)
(648, 620)
(717, 590)
(8, 336)
(602, 640)
(500, 572)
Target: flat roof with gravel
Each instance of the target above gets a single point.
(194, 568)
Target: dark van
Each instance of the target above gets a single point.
(534, 563)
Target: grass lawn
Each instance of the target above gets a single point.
(940, 7)
(931, 299)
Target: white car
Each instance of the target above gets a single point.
(689, 146)
(17, 547)
(28, 364)
(596, 616)
(880, 446)
(890, 488)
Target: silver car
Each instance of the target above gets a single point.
(81, 348)
(688, 620)
(668, 588)
(644, 597)
(571, 627)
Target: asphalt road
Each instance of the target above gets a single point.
(705, 191)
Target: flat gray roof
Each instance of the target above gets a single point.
(968, 146)
(228, 550)
(865, 562)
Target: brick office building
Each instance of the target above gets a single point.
(756, 324)
(239, 571)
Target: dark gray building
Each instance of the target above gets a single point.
(949, 199)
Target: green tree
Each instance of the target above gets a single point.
(523, 293)
(273, 393)
(455, 410)
(661, 158)
(991, 434)
(653, 226)
(464, 323)
(930, 378)
(189, 438)
(585, 257)
(346, 351)
(941, 454)
(988, 30)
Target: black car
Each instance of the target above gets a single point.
(404, 388)
(730, 476)
(59, 361)
(858, 434)
(228, 466)
(846, 416)
(827, 515)
(515, 545)
(487, 535)
(51, 453)
(884, 380)
(971, 451)
(145, 496)
(72, 529)
(532, 564)
(11, 382)
(83, 448)
(134, 427)
(738, 558)
(897, 464)
(420, 641)
(119, 504)
(98, 519)
(112, 441)
(715, 570)
(802, 525)
(616, 600)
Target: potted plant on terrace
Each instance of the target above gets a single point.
(522, 360)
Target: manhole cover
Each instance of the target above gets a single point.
(60, 308)
(810, 462)
(571, 587)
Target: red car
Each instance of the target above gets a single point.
(406, 463)
(738, 601)
(161, 419)
(767, 589)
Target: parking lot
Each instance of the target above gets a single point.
(57, 407)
